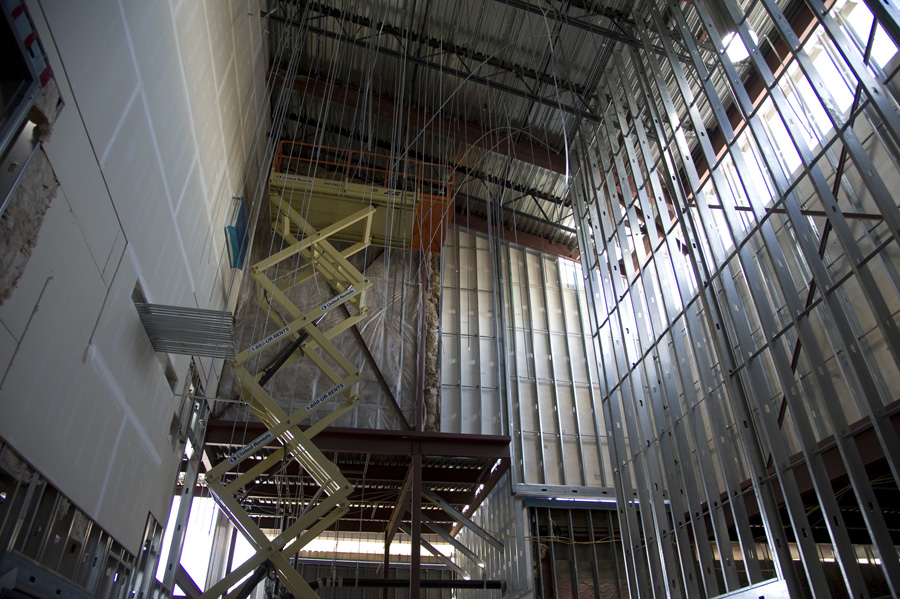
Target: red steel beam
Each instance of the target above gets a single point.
(402, 505)
(499, 141)
(415, 514)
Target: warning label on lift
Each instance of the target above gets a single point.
(324, 307)
(248, 449)
(324, 397)
(269, 339)
(295, 178)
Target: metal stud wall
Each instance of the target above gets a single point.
(739, 241)
(470, 351)
(550, 370)
(559, 438)
(503, 517)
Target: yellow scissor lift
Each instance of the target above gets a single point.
(290, 193)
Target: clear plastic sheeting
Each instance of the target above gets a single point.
(389, 330)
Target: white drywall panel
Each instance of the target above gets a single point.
(553, 386)
(450, 310)
(250, 79)
(559, 356)
(572, 450)
(566, 410)
(85, 399)
(97, 63)
(218, 17)
(469, 351)
(230, 112)
(135, 469)
(541, 355)
(197, 232)
(489, 369)
(532, 465)
(470, 411)
(450, 418)
(526, 402)
(450, 360)
(591, 461)
(198, 73)
(152, 44)
(65, 407)
(492, 412)
(54, 410)
(61, 268)
(138, 190)
(578, 359)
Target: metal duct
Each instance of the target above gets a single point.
(189, 331)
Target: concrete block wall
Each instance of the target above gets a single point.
(162, 104)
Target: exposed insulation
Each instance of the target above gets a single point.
(21, 221)
(432, 341)
(14, 465)
(43, 112)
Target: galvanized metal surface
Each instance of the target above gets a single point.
(695, 348)
(189, 331)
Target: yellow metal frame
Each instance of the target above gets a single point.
(350, 286)
(414, 198)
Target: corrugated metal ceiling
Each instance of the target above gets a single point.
(517, 70)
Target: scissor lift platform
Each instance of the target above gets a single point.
(412, 199)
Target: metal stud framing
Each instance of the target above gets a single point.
(469, 342)
(755, 326)
(555, 417)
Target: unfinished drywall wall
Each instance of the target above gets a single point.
(503, 516)
(161, 109)
(559, 436)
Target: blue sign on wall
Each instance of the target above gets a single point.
(237, 234)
